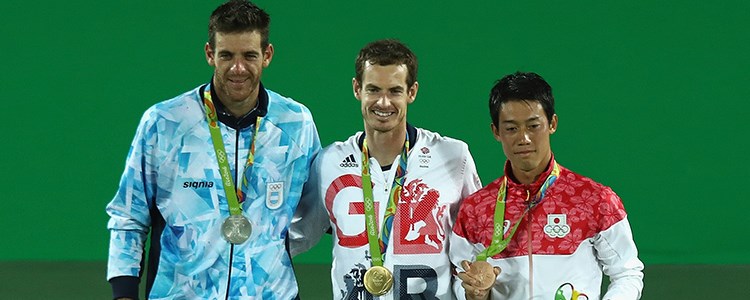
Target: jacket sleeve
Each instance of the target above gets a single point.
(310, 142)
(460, 248)
(471, 181)
(618, 255)
(310, 220)
(129, 220)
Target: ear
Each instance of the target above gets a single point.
(209, 55)
(357, 89)
(553, 124)
(413, 92)
(495, 132)
(267, 55)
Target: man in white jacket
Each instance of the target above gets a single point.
(388, 194)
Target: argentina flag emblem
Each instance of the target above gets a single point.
(274, 194)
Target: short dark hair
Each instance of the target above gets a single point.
(237, 16)
(521, 86)
(387, 52)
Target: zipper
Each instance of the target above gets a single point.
(229, 274)
(237, 177)
(528, 245)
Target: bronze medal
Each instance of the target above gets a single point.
(236, 229)
(483, 272)
(378, 280)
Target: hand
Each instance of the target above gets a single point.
(478, 279)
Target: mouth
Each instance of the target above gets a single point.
(525, 153)
(237, 82)
(382, 114)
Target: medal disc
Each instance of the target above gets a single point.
(236, 229)
(483, 272)
(378, 280)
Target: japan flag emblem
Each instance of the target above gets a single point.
(557, 225)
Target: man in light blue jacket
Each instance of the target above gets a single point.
(214, 176)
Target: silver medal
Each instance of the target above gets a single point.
(236, 229)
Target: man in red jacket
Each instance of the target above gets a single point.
(546, 231)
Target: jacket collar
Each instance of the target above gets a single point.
(410, 129)
(260, 110)
(512, 181)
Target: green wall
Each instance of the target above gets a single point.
(651, 97)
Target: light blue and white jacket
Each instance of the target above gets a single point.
(172, 186)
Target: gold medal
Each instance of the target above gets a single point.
(236, 229)
(378, 280)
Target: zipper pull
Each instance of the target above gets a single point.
(528, 195)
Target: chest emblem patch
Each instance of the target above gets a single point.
(274, 194)
(557, 225)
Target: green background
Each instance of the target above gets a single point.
(651, 98)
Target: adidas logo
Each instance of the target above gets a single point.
(349, 162)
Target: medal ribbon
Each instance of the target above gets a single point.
(499, 243)
(221, 155)
(378, 246)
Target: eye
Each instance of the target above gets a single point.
(511, 129)
(251, 56)
(535, 126)
(371, 90)
(225, 56)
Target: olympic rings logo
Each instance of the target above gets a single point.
(221, 156)
(557, 230)
(557, 225)
(498, 229)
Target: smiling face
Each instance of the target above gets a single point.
(238, 60)
(384, 96)
(525, 133)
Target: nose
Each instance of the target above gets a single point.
(383, 100)
(525, 138)
(238, 67)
